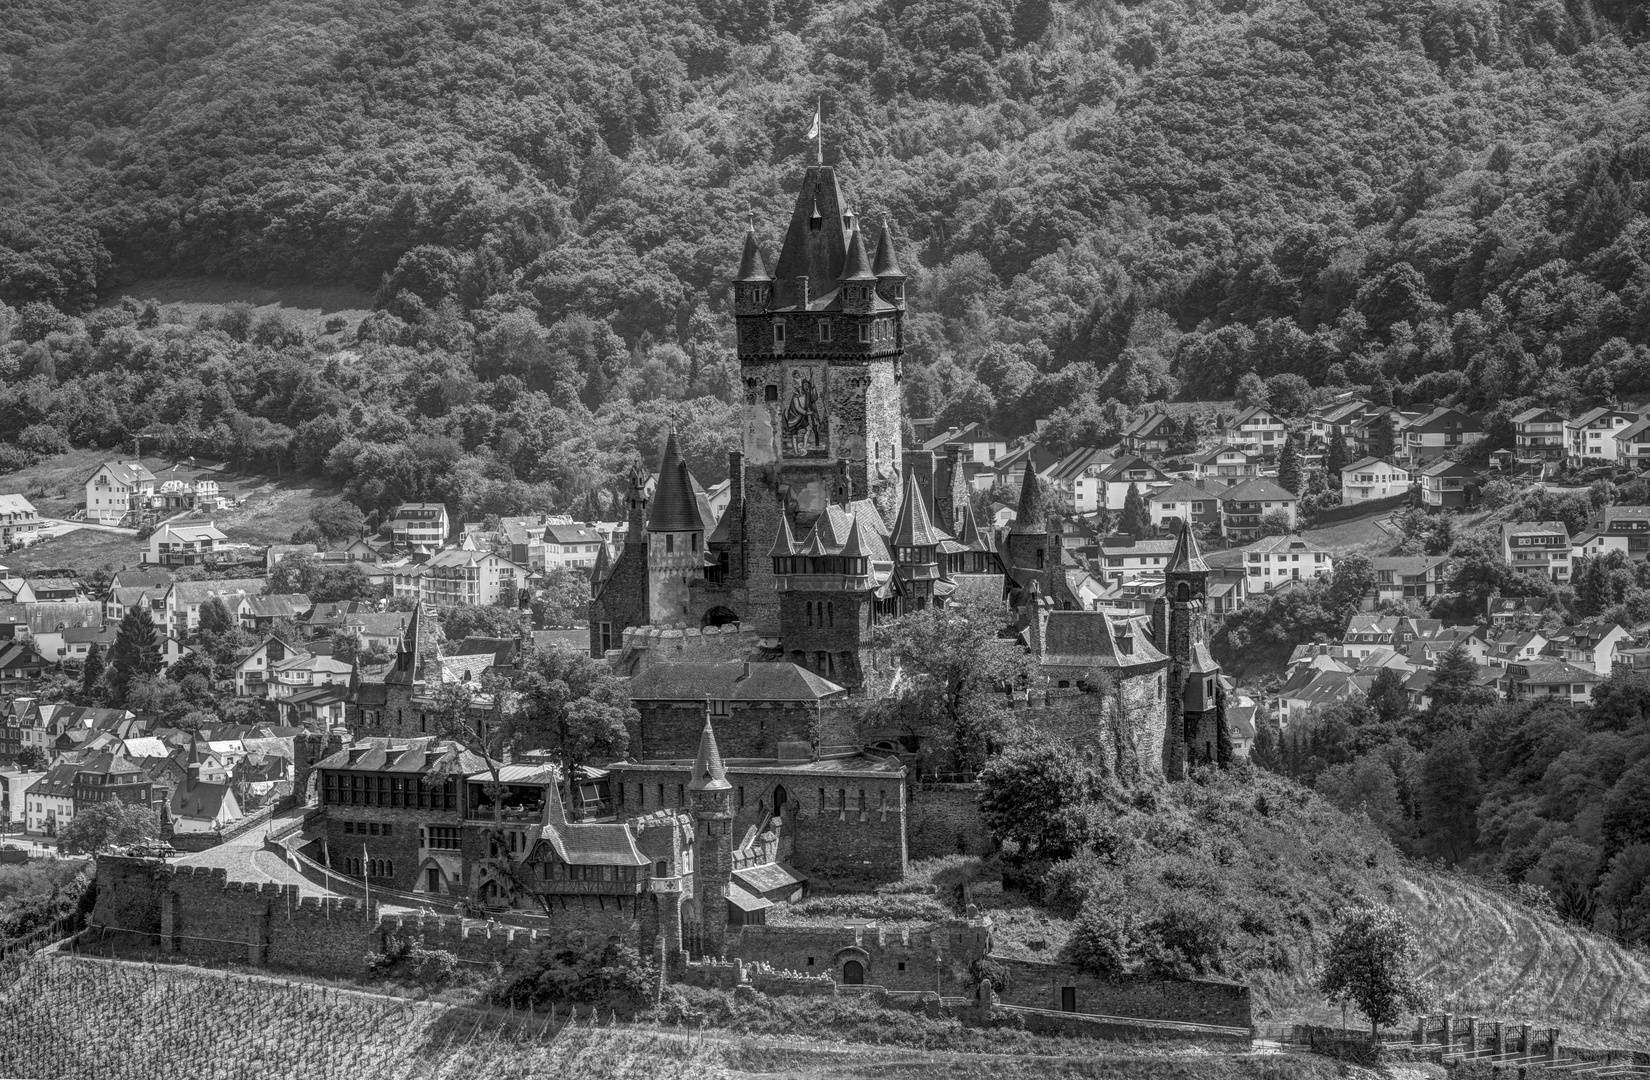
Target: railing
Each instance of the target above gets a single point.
(1183, 1026)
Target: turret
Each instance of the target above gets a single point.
(675, 539)
(753, 286)
(1027, 536)
(890, 278)
(858, 283)
(712, 799)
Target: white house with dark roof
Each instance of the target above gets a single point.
(1408, 577)
(19, 521)
(1243, 507)
(1633, 445)
(1373, 478)
(1273, 560)
(1437, 433)
(1182, 502)
(1122, 555)
(1225, 465)
(1591, 437)
(118, 488)
(1148, 435)
(1540, 547)
(420, 525)
(1538, 439)
(571, 545)
(1130, 470)
(184, 543)
(1257, 430)
(1079, 478)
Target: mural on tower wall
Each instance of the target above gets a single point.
(804, 422)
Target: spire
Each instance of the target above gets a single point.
(912, 528)
(1186, 558)
(859, 267)
(784, 542)
(973, 537)
(885, 265)
(598, 573)
(752, 266)
(708, 774)
(854, 547)
(638, 506)
(1029, 518)
(194, 757)
(675, 506)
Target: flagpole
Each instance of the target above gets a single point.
(819, 113)
(366, 886)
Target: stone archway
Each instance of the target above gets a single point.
(853, 973)
(719, 616)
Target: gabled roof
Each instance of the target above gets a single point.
(1077, 462)
(1210, 457)
(1371, 462)
(406, 756)
(1446, 467)
(1095, 639)
(1149, 426)
(1443, 419)
(1251, 413)
(125, 472)
(1255, 490)
(1117, 470)
(199, 592)
(1285, 542)
(1407, 565)
(675, 507)
(1599, 414)
(11, 503)
(730, 680)
(571, 534)
(1530, 416)
(1633, 430)
(1533, 528)
(1179, 492)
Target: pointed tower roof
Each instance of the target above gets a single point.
(885, 264)
(858, 267)
(854, 547)
(675, 506)
(912, 528)
(752, 266)
(1029, 517)
(815, 252)
(708, 774)
(784, 542)
(598, 573)
(194, 757)
(973, 537)
(1187, 559)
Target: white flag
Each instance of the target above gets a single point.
(813, 132)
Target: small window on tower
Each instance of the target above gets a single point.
(825, 330)
(778, 334)
(865, 331)
(771, 392)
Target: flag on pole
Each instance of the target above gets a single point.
(813, 131)
(366, 886)
(817, 131)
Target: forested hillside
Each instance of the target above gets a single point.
(1101, 201)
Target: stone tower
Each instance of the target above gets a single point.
(712, 798)
(1028, 534)
(675, 540)
(819, 340)
(826, 587)
(619, 590)
(1194, 677)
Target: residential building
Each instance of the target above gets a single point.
(1244, 506)
(254, 674)
(1276, 559)
(1149, 435)
(1121, 555)
(1183, 502)
(1627, 528)
(21, 666)
(116, 489)
(14, 786)
(455, 576)
(1538, 440)
(1408, 577)
(55, 590)
(1437, 433)
(1633, 445)
(259, 613)
(573, 545)
(1449, 485)
(77, 641)
(1257, 430)
(1503, 611)
(420, 525)
(1551, 679)
(1372, 478)
(1078, 476)
(184, 544)
(1594, 643)
(1369, 429)
(1130, 470)
(184, 600)
(1591, 437)
(1325, 420)
(1538, 547)
(1224, 466)
(981, 446)
(49, 802)
(19, 522)
(111, 776)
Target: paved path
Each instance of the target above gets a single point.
(59, 526)
(244, 859)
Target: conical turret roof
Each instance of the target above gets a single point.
(708, 774)
(1029, 517)
(885, 264)
(752, 266)
(1187, 559)
(912, 527)
(858, 267)
(973, 537)
(784, 542)
(675, 508)
(855, 547)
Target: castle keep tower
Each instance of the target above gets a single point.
(675, 540)
(712, 799)
(819, 340)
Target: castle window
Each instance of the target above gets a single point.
(741, 796)
(607, 636)
(349, 827)
(670, 543)
(719, 707)
(808, 610)
(825, 330)
(899, 291)
(821, 800)
(695, 541)
(681, 794)
(830, 614)
(770, 392)
(1160, 688)
(865, 332)
(778, 334)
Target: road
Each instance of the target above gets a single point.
(59, 526)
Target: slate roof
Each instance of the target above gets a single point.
(199, 800)
(731, 680)
(125, 472)
(1407, 565)
(412, 756)
(1256, 489)
(766, 878)
(594, 844)
(912, 527)
(1089, 639)
(1370, 462)
(675, 508)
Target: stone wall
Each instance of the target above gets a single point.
(1123, 726)
(621, 600)
(944, 819)
(642, 645)
(894, 958)
(829, 625)
(671, 729)
(1038, 985)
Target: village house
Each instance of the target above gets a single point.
(416, 525)
(1373, 478)
(1538, 548)
(1551, 679)
(259, 613)
(1225, 466)
(478, 578)
(1276, 559)
(1244, 507)
(1149, 435)
(1127, 471)
(184, 544)
(1122, 555)
(1258, 431)
(1449, 485)
(1325, 420)
(49, 801)
(1594, 644)
(1408, 577)
(19, 522)
(1590, 439)
(1538, 440)
(1078, 477)
(116, 489)
(1503, 611)
(981, 446)
(1437, 433)
(1633, 445)
(184, 599)
(1378, 425)
(1182, 502)
(572, 545)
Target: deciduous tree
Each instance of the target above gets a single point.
(1371, 963)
